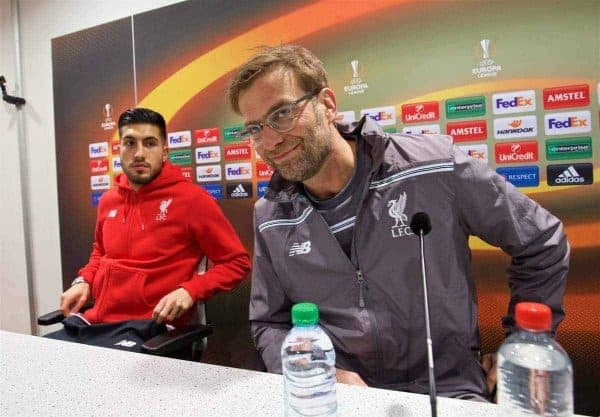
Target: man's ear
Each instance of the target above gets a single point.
(165, 153)
(330, 103)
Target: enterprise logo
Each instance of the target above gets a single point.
(181, 139)
(239, 171)
(569, 148)
(514, 102)
(385, 116)
(457, 108)
(526, 176)
(568, 122)
(98, 149)
(570, 174)
(181, 157)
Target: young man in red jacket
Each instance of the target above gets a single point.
(152, 230)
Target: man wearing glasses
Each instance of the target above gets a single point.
(333, 229)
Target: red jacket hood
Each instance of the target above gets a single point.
(169, 174)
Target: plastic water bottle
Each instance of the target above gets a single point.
(535, 376)
(308, 363)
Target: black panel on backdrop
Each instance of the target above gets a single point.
(91, 69)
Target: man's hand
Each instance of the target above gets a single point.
(74, 298)
(172, 306)
(349, 377)
(489, 362)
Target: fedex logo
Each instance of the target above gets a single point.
(208, 136)
(508, 153)
(100, 182)
(422, 130)
(467, 131)
(98, 149)
(207, 173)
(569, 122)
(514, 102)
(567, 96)
(208, 154)
(385, 116)
(479, 151)
(240, 171)
(237, 152)
(345, 116)
(179, 139)
(420, 112)
(98, 166)
(263, 170)
(116, 164)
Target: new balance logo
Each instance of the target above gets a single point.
(126, 343)
(300, 248)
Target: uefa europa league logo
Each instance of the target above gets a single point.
(354, 64)
(107, 111)
(485, 47)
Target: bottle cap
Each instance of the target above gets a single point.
(533, 316)
(305, 314)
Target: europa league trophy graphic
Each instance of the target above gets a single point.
(485, 46)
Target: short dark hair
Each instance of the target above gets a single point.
(138, 115)
(307, 67)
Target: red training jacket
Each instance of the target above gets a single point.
(148, 243)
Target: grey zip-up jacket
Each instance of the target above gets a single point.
(372, 304)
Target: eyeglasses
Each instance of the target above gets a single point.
(281, 120)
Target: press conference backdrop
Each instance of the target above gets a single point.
(516, 84)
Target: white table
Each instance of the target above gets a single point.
(43, 377)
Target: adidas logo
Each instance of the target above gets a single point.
(239, 191)
(569, 176)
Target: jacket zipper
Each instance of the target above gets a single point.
(361, 283)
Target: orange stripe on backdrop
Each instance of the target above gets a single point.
(580, 236)
(173, 93)
(581, 311)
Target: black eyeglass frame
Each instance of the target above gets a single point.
(256, 139)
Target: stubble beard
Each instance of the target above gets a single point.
(141, 179)
(315, 147)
